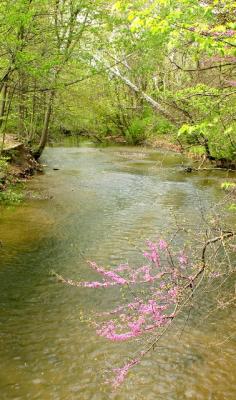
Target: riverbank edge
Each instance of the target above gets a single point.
(166, 142)
(20, 165)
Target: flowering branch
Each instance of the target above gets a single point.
(169, 281)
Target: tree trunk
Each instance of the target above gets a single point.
(3, 105)
(47, 117)
(155, 105)
(7, 108)
(32, 118)
(21, 107)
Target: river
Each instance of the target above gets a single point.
(101, 204)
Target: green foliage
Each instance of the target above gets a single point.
(198, 151)
(209, 136)
(11, 197)
(195, 77)
(232, 207)
(137, 130)
(3, 165)
(228, 186)
(163, 126)
(180, 54)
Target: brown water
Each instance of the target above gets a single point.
(104, 203)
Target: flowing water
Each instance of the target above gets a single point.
(101, 204)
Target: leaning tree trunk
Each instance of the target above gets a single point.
(153, 103)
(47, 117)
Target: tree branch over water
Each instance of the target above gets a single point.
(161, 292)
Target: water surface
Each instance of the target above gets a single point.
(101, 204)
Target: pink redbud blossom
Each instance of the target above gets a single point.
(215, 274)
(162, 244)
(122, 372)
(183, 259)
(173, 293)
(122, 267)
(108, 274)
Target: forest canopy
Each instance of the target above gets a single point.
(119, 69)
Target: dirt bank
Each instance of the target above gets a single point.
(20, 163)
